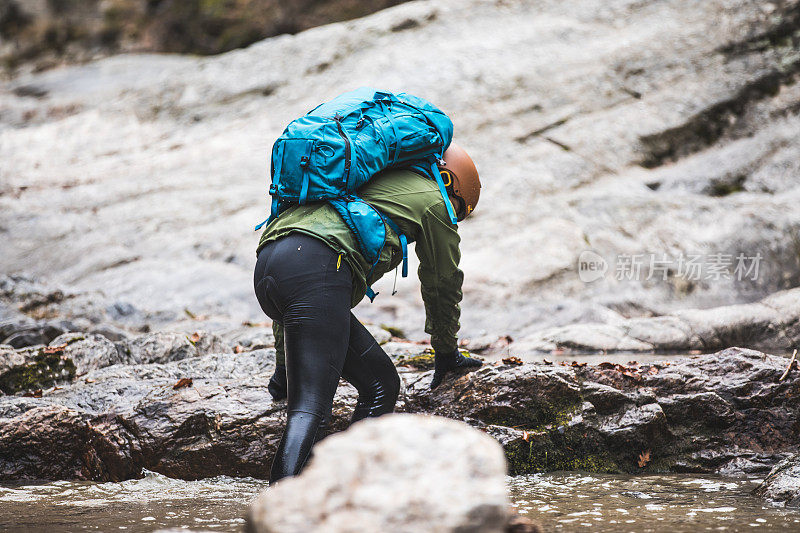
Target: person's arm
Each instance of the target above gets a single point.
(441, 279)
(437, 247)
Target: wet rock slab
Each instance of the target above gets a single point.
(725, 412)
(193, 415)
(782, 485)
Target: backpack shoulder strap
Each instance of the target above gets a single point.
(443, 191)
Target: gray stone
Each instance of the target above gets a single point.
(782, 484)
(395, 473)
(769, 324)
(90, 351)
(165, 347)
(111, 332)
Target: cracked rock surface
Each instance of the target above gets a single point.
(195, 414)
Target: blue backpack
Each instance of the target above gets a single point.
(327, 154)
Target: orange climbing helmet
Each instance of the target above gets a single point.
(460, 177)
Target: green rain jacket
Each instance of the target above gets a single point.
(414, 203)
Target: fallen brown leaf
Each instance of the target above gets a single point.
(87, 380)
(653, 371)
(194, 338)
(238, 348)
(33, 394)
(547, 362)
(512, 360)
(644, 458)
(182, 383)
(51, 350)
(606, 365)
(576, 364)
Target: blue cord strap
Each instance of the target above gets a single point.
(438, 177)
(370, 293)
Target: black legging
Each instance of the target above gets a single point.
(301, 283)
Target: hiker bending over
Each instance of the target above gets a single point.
(311, 271)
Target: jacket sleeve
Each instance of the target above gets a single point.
(280, 355)
(437, 247)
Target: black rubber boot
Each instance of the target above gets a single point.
(450, 363)
(277, 383)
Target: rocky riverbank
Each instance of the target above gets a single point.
(191, 406)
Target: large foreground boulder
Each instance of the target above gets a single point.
(782, 485)
(396, 473)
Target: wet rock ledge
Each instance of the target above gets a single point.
(782, 485)
(196, 406)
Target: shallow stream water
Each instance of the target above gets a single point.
(563, 501)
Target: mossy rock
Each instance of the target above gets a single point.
(44, 370)
(394, 332)
(424, 361)
(558, 449)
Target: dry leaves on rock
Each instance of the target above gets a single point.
(644, 458)
(33, 394)
(55, 350)
(627, 371)
(512, 360)
(182, 383)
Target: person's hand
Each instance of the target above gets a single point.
(277, 383)
(455, 361)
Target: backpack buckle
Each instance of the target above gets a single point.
(304, 161)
